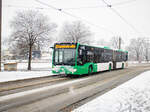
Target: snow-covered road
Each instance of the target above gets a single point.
(132, 96)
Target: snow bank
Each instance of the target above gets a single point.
(18, 75)
(35, 66)
(38, 70)
(132, 96)
(136, 63)
(38, 66)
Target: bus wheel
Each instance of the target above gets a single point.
(109, 67)
(122, 65)
(90, 70)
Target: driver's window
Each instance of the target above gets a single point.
(56, 56)
(79, 59)
(81, 56)
(60, 56)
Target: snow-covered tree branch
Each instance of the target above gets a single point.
(75, 32)
(30, 27)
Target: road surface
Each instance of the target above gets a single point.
(69, 94)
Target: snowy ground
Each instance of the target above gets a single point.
(132, 96)
(35, 66)
(136, 63)
(38, 66)
(38, 70)
(11, 76)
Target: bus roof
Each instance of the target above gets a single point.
(121, 50)
(105, 47)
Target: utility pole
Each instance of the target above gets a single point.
(119, 42)
(0, 29)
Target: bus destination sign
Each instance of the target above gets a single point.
(65, 46)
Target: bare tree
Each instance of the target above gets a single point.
(5, 48)
(30, 27)
(102, 42)
(146, 49)
(116, 42)
(5, 42)
(75, 32)
(135, 48)
(19, 49)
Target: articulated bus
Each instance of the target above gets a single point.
(78, 59)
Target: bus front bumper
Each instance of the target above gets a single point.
(63, 70)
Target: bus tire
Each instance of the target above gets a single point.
(110, 67)
(90, 69)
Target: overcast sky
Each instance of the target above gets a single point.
(101, 18)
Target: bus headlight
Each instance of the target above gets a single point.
(55, 69)
(72, 70)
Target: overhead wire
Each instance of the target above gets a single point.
(74, 8)
(99, 6)
(118, 14)
(107, 5)
(74, 16)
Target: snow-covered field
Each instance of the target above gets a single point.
(38, 70)
(136, 63)
(35, 66)
(13, 75)
(38, 66)
(132, 96)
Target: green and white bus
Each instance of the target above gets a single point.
(78, 59)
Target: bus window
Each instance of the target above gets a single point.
(64, 57)
(80, 52)
(90, 56)
(126, 56)
(81, 57)
(106, 56)
(60, 56)
(56, 56)
(118, 56)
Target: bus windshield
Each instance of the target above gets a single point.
(64, 56)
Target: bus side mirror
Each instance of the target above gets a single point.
(52, 47)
